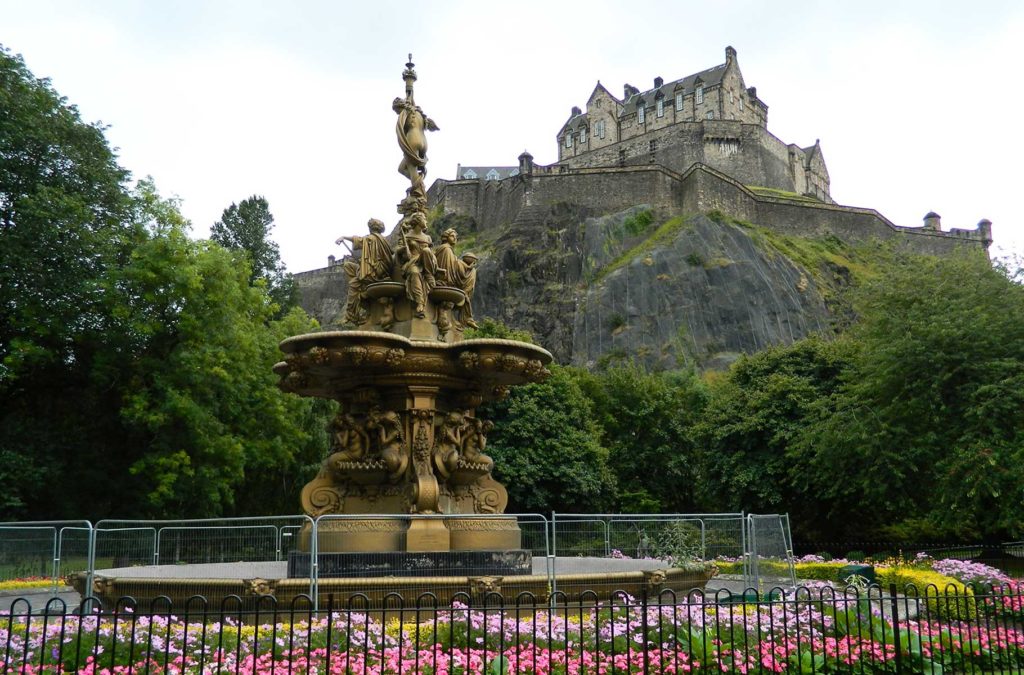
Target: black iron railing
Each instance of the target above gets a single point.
(810, 630)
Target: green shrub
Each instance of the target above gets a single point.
(638, 223)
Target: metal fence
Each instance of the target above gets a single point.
(196, 553)
(898, 631)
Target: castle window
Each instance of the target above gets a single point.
(731, 100)
(652, 146)
(599, 128)
(641, 116)
(700, 93)
(583, 135)
(710, 114)
(679, 100)
(741, 104)
(660, 104)
(568, 140)
(492, 174)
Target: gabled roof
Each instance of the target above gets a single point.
(486, 172)
(575, 122)
(709, 78)
(605, 90)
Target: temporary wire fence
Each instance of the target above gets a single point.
(201, 554)
(807, 630)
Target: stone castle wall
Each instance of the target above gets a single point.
(748, 152)
(698, 190)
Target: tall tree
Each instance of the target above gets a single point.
(547, 447)
(645, 419)
(63, 224)
(134, 362)
(246, 226)
(746, 435)
(928, 427)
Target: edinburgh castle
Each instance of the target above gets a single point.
(665, 232)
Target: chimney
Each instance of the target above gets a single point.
(730, 54)
(752, 91)
(658, 82)
(933, 221)
(331, 260)
(628, 90)
(576, 110)
(525, 164)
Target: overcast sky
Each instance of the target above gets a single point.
(916, 104)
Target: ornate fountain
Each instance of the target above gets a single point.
(407, 441)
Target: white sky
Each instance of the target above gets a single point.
(915, 103)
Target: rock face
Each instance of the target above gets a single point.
(656, 287)
(686, 291)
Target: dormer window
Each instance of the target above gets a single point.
(492, 174)
(641, 115)
(660, 106)
(700, 93)
(583, 135)
(469, 174)
(679, 100)
(568, 140)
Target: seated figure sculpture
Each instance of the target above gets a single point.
(460, 273)
(374, 265)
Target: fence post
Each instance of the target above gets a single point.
(895, 606)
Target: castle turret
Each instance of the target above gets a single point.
(730, 54)
(985, 230)
(525, 164)
(933, 221)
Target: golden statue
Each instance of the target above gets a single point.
(411, 129)
(460, 273)
(374, 265)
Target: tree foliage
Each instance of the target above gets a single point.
(645, 419)
(928, 423)
(748, 429)
(246, 226)
(134, 362)
(547, 447)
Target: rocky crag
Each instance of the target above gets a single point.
(666, 289)
(672, 270)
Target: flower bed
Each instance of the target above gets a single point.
(825, 634)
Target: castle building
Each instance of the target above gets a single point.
(710, 118)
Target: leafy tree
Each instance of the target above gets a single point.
(63, 224)
(749, 427)
(200, 397)
(134, 362)
(928, 422)
(246, 226)
(645, 419)
(547, 448)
